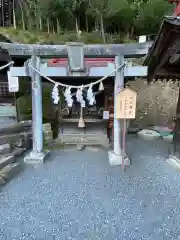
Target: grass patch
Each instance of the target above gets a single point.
(34, 37)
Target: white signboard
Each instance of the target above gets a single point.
(13, 83)
(106, 115)
(142, 39)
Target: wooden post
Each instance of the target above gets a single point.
(36, 107)
(176, 137)
(115, 156)
(174, 157)
(37, 155)
(118, 86)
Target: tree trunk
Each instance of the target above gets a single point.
(102, 29)
(96, 25)
(10, 15)
(14, 16)
(36, 19)
(132, 32)
(77, 26)
(48, 27)
(2, 12)
(58, 26)
(22, 16)
(27, 8)
(87, 25)
(40, 23)
(53, 30)
(127, 33)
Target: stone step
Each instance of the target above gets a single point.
(8, 165)
(9, 171)
(10, 157)
(5, 148)
(18, 151)
(5, 160)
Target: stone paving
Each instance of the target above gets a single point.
(79, 196)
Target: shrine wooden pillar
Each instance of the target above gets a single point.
(118, 86)
(176, 135)
(174, 158)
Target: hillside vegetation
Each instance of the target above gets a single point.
(30, 37)
(90, 21)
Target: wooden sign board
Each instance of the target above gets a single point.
(126, 104)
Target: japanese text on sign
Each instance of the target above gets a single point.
(126, 104)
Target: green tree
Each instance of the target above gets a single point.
(119, 17)
(103, 9)
(151, 14)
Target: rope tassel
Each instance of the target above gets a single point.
(101, 86)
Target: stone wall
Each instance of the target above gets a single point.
(156, 102)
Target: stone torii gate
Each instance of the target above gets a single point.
(75, 53)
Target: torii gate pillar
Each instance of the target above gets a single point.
(115, 156)
(37, 154)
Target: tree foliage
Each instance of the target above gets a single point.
(127, 18)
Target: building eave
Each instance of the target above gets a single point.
(166, 44)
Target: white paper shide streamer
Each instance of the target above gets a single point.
(68, 97)
(55, 94)
(90, 96)
(79, 97)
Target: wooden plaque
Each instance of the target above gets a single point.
(126, 104)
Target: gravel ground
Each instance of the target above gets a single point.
(78, 195)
